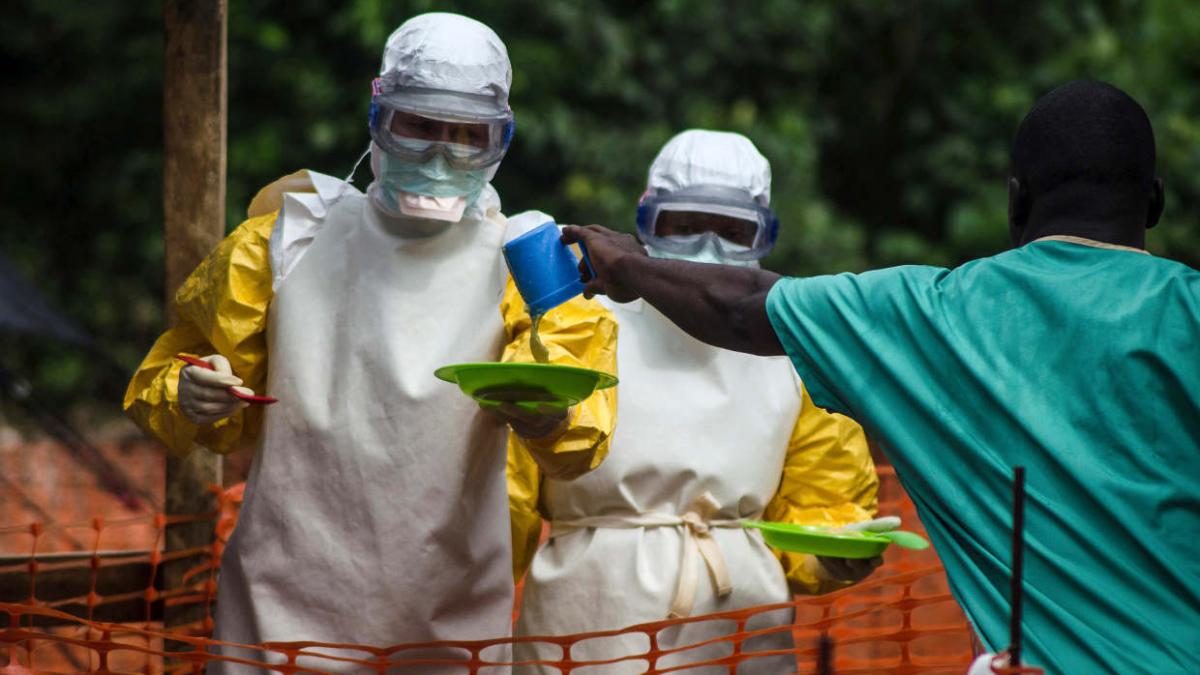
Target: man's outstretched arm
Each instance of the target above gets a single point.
(722, 305)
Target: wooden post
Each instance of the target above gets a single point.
(194, 113)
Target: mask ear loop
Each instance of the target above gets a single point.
(349, 179)
(372, 115)
(350, 176)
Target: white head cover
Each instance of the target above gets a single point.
(448, 52)
(445, 52)
(701, 157)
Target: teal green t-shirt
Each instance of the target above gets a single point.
(1080, 363)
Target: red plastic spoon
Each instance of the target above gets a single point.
(248, 398)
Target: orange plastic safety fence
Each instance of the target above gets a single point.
(901, 620)
(857, 626)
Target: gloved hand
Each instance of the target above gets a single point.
(847, 569)
(882, 524)
(203, 394)
(545, 424)
(857, 569)
(985, 664)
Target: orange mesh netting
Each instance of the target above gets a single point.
(100, 610)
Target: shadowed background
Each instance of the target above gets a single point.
(887, 126)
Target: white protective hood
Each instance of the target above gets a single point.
(702, 157)
(449, 53)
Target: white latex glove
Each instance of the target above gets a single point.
(983, 664)
(203, 394)
(884, 524)
(856, 569)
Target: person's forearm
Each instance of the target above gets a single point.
(722, 305)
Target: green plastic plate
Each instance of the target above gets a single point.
(819, 541)
(528, 385)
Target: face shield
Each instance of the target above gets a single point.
(469, 131)
(686, 221)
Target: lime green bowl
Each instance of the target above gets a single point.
(528, 385)
(819, 541)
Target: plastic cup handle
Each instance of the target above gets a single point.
(587, 259)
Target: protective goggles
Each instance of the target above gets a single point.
(683, 221)
(470, 132)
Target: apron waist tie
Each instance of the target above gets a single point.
(697, 523)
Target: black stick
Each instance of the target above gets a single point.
(1018, 566)
(825, 656)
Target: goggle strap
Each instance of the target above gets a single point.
(510, 128)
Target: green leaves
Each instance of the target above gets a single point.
(887, 124)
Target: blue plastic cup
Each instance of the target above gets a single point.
(544, 269)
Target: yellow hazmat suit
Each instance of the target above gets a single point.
(376, 490)
(828, 479)
(706, 438)
(222, 309)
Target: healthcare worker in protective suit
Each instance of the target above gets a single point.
(375, 510)
(707, 437)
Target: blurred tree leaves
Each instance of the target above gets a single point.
(887, 124)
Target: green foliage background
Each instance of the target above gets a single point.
(887, 124)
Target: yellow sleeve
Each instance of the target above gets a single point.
(579, 333)
(524, 488)
(221, 309)
(828, 479)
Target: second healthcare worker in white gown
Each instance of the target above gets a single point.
(706, 437)
(375, 510)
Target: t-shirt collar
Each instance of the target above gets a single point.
(1083, 241)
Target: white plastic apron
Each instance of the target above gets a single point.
(702, 435)
(376, 509)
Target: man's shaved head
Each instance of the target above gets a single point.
(1083, 159)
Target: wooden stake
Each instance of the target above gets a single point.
(825, 655)
(194, 127)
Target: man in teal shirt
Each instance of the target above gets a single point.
(1076, 355)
